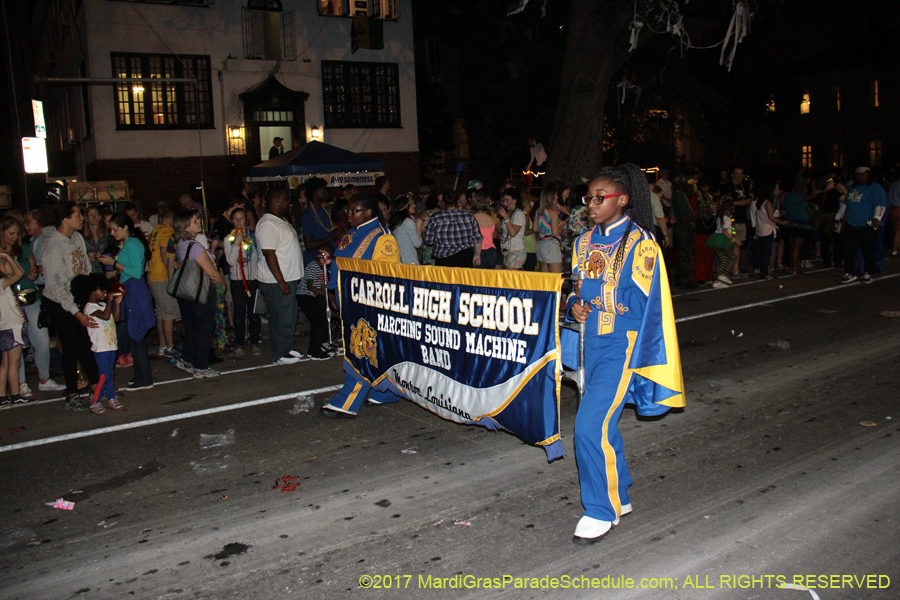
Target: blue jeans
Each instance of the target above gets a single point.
(282, 317)
(243, 313)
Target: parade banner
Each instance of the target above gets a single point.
(472, 346)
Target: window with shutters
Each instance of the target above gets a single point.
(151, 105)
(269, 32)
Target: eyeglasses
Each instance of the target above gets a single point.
(353, 211)
(588, 200)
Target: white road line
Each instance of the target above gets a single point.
(736, 285)
(156, 383)
(774, 300)
(178, 417)
(240, 405)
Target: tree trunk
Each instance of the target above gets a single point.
(596, 48)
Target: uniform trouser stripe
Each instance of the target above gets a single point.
(352, 396)
(609, 453)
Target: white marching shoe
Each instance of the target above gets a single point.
(590, 530)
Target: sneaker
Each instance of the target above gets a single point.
(163, 352)
(287, 360)
(97, 408)
(184, 366)
(112, 403)
(322, 356)
(132, 387)
(295, 354)
(77, 403)
(126, 360)
(256, 350)
(50, 386)
(848, 278)
(18, 399)
(718, 285)
(238, 352)
(5, 400)
(590, 530)
(205, 373)
(25, 391)
(724, 279)
(866, 278)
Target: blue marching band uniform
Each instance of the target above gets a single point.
(369, 241)
(631, 356)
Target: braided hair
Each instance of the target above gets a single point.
(629, 179)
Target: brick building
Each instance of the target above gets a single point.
(340, 71)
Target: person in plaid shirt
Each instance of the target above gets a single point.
(455, 236)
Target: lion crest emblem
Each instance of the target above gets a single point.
(363, 343)
(649, 263)
(345, 241)
(595, 264)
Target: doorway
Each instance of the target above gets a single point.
(267, 133)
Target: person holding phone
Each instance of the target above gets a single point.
(241, 254)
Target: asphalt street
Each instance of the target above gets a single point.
(782, 468)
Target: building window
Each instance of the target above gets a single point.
(873, 93)
(836, 97)
(875, 154)
(268, 31)
(804, 104)
(770, 105)
(806, 157)
(376, 9)
(162, 105)
(359, 94)
(837, 156)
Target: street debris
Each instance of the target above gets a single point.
(412, 450)
(60, 503)
(867, 423)
(284, 485)
(738, 335)
(174, 433)
(106, 525)
(890, 313)
(779, 344)
(213, 464)
(208, 441)
(826, 311)
(302, 404)
(466, 523)
(12, 431)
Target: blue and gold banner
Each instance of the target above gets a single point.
(470, 345)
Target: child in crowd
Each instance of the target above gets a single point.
(93, 294)
(724, 242)
(13, 335)
(312, 296)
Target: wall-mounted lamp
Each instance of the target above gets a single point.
(315, 133)
(235, 133)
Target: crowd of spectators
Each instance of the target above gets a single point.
(70, 272)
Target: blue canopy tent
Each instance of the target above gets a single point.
(316, 159)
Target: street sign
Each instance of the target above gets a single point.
(34, 153)
(40, 128)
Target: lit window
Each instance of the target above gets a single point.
(376, 9)
(770, 105)
(836, 97)
(875, 154)
(359, 94)
(873, 93)
(804, 104)
(837, 156)
(162, 105)
(806, 157)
